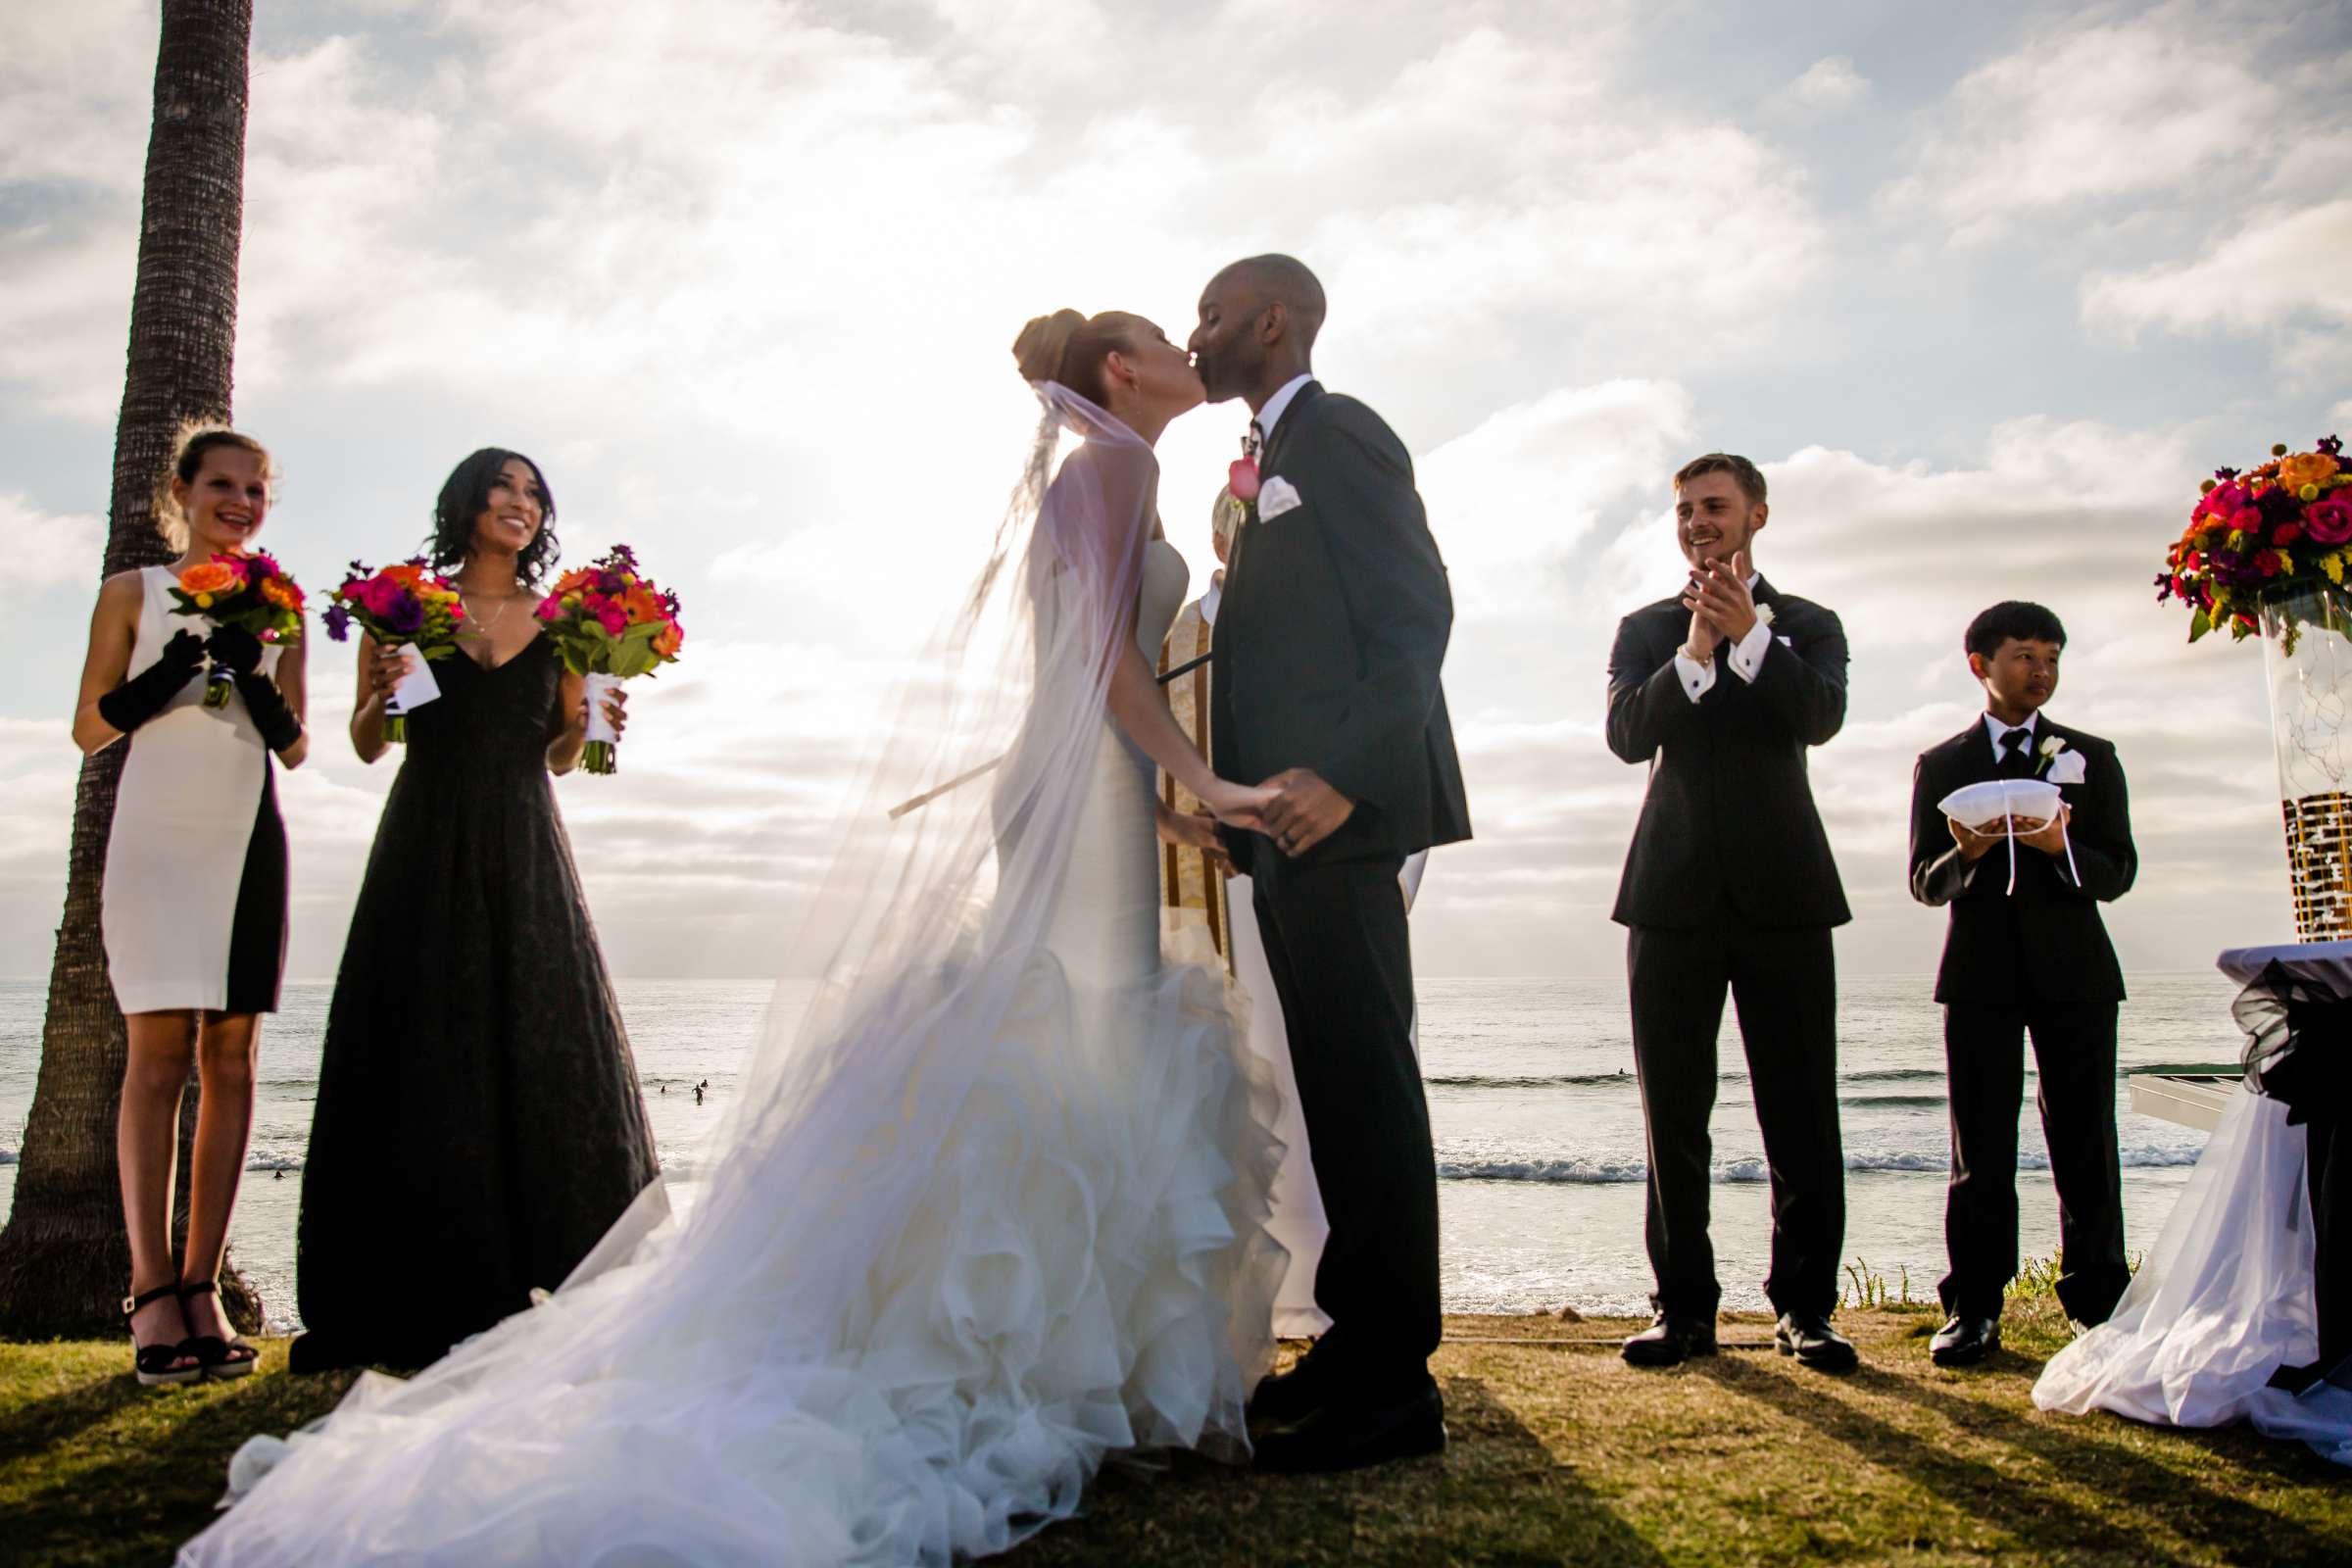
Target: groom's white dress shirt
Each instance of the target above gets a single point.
(1746, 657)
(1278, 404)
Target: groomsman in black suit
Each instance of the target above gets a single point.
(2030, 959)
(1730, 885)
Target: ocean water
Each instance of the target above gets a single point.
(1532, 1099)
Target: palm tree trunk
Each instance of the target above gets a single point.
(64, 1257)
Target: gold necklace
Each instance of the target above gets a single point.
(487, 626)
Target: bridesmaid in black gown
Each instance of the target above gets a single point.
(480, 1124)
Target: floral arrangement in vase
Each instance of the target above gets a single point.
(2257, 533)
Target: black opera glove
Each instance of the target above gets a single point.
(234, 649)
(149, 691)
(268, 707)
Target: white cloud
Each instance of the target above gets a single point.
(47, 550)
(2280, 268)
(2090, 111)
(1827, 86)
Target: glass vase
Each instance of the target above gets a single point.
(2307, 665)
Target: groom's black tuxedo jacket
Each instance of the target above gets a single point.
(1727, 824)
(1329, 640)
(2047, 942)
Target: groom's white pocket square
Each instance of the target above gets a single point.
(1276, 497)
(2068, 767)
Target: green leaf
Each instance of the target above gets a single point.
(2199, 625)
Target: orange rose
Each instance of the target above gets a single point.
(2305, 468)
(404, 574)
(667, 641)
(207, 577)
(274, 590)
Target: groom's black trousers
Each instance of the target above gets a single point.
(1784, 984)
(1337, 944)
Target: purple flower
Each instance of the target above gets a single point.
(338, 622)
(2332, 446)
(406, 614)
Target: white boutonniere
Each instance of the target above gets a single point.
(1764, 614)
(2058, 765)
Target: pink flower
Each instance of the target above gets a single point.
(2328, 521)
(1242, 479)
(549, 607)
(616, 620)
(378, 596)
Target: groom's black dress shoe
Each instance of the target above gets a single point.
(1292, 1396)
(1347, 1435)
(1815, 1344)
(1965, 1341)
(1670, 1341)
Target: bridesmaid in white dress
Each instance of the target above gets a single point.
(194, 903)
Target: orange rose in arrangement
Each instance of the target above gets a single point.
(2305, 469)
(668, 640)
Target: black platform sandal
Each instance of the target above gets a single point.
(216, 1356)
(158, 1365)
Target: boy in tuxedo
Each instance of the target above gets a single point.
(2033, 962)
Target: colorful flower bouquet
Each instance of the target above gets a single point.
(408, 607)
(2257, 534)
(610, 623)
(244, 589)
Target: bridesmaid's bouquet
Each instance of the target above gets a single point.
(610, 623)
(244, 589)
(408, 607)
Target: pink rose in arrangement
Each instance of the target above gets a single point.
(615, 619)
(1242, 479)
(2328, 521)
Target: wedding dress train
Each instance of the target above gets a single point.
(994, 1213)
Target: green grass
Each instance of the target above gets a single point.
(1561, 1454)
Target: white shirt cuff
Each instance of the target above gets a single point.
(1697, 678)
(1747, 655)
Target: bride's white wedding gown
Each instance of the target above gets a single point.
(917, 1304)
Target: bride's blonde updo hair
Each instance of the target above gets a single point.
(1070, 348)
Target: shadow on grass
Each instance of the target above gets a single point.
(2087, 1450)
(47, 1424)
(165, 1471)
(1495, 1497)
(2029, 1508)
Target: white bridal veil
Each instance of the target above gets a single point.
(932, 1276)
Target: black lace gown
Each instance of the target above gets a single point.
(479, 1123)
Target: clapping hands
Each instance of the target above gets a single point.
(1722, 607)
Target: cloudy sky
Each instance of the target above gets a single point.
(1985, 288)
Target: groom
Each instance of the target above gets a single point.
(1334, 623)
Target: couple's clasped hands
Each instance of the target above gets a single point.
(1295, 809)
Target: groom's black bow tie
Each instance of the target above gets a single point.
(1253, 445)
(2014, 755)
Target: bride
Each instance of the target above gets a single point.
(990, 1211)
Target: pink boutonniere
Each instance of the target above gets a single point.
(1242, 479)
